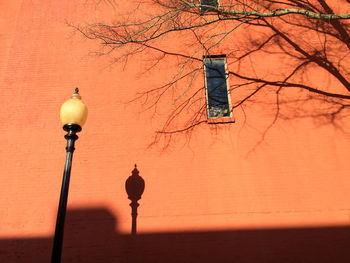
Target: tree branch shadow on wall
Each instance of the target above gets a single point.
(91, 236)
(279, 67)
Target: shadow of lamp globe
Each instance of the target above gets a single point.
(73, 115)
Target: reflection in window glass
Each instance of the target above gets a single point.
(218, 103)
(213, 3)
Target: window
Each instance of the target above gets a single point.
(216, 83)
(213, 3)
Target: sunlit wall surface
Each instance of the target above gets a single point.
(231, 177)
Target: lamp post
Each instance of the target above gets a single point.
(73, 115)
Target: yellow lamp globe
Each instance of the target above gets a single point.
(74, 111)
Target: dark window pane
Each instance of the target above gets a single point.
(213, 3)
(218, 102)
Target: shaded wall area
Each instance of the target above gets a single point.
(90, 236)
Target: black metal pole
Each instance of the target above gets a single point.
(71, 137)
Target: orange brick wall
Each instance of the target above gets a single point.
(298, 176)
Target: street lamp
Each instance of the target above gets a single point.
(73, 115)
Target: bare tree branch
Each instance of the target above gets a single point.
(301, 38)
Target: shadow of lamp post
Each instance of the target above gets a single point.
(73, 115)
(134, 186)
